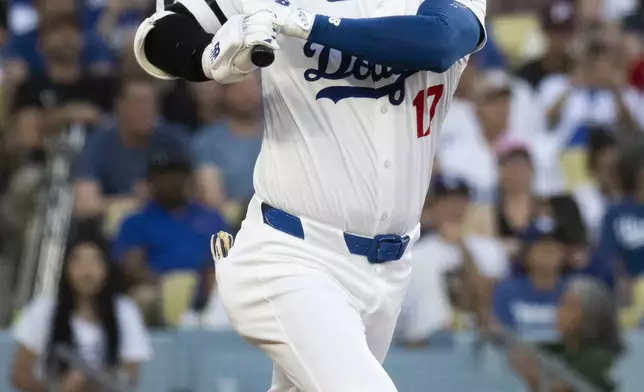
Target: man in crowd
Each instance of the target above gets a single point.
(170, 233)
(226, 152)
(63, 93)
(22, 55)
(111, 169)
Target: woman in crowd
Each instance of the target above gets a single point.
(89, 317)
(587, 323)
(516, 203)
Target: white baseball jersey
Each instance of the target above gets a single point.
(346, 142)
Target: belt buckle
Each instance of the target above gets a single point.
(386, 248)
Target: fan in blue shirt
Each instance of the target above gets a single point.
(622, 238)
(171, 233)
(527, 305)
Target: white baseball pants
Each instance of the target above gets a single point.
(325, 317)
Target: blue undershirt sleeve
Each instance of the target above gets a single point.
(441, 33)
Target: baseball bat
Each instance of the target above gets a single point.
(262, 56)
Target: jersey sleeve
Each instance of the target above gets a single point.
(478, 7)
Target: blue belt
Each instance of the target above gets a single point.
(380, 249)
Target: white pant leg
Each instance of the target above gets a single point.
(281, 382)
(393, 279)
(280, 299)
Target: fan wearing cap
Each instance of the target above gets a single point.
(168, 235)
(452, 272)
(527, 304)
(523, 303)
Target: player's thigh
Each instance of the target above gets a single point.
(302, 318)
(318, 340)
(381, 324)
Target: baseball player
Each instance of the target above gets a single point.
(353, 106)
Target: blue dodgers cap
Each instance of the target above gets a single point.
(543, 228)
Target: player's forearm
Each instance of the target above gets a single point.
(433, 40)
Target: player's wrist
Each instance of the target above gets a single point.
(298, 23)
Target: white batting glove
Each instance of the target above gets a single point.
(291, 21)
(220, 245)
(227, 58)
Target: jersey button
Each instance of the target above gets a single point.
(383, 110)
(387, 164)
(384, 216)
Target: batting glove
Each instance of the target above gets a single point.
(220, 245)
(291, 21)
(227, 58)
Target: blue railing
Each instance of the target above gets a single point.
(200, 361)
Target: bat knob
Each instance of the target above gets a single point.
(262, 56)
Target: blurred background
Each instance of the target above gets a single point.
(529, 275)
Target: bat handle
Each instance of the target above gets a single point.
(262, 56)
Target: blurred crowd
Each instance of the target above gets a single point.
(534, 222)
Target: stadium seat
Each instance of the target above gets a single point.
(115, 215)
(633, 316)
(513, 33)
(177, 292)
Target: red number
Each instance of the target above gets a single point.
(434, 92)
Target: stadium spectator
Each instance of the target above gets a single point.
(595, 93)
(622, 238)
(588, 324)
(558, 23)
(594, 197)
(516, 203)
(111, 169)
(581, 257)
(89, 317)
(169, 234)
(226, 152)
(22, 55)
(525, 303)
(476, 138)
(63, 93)
(502, 111)
(452, 272)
